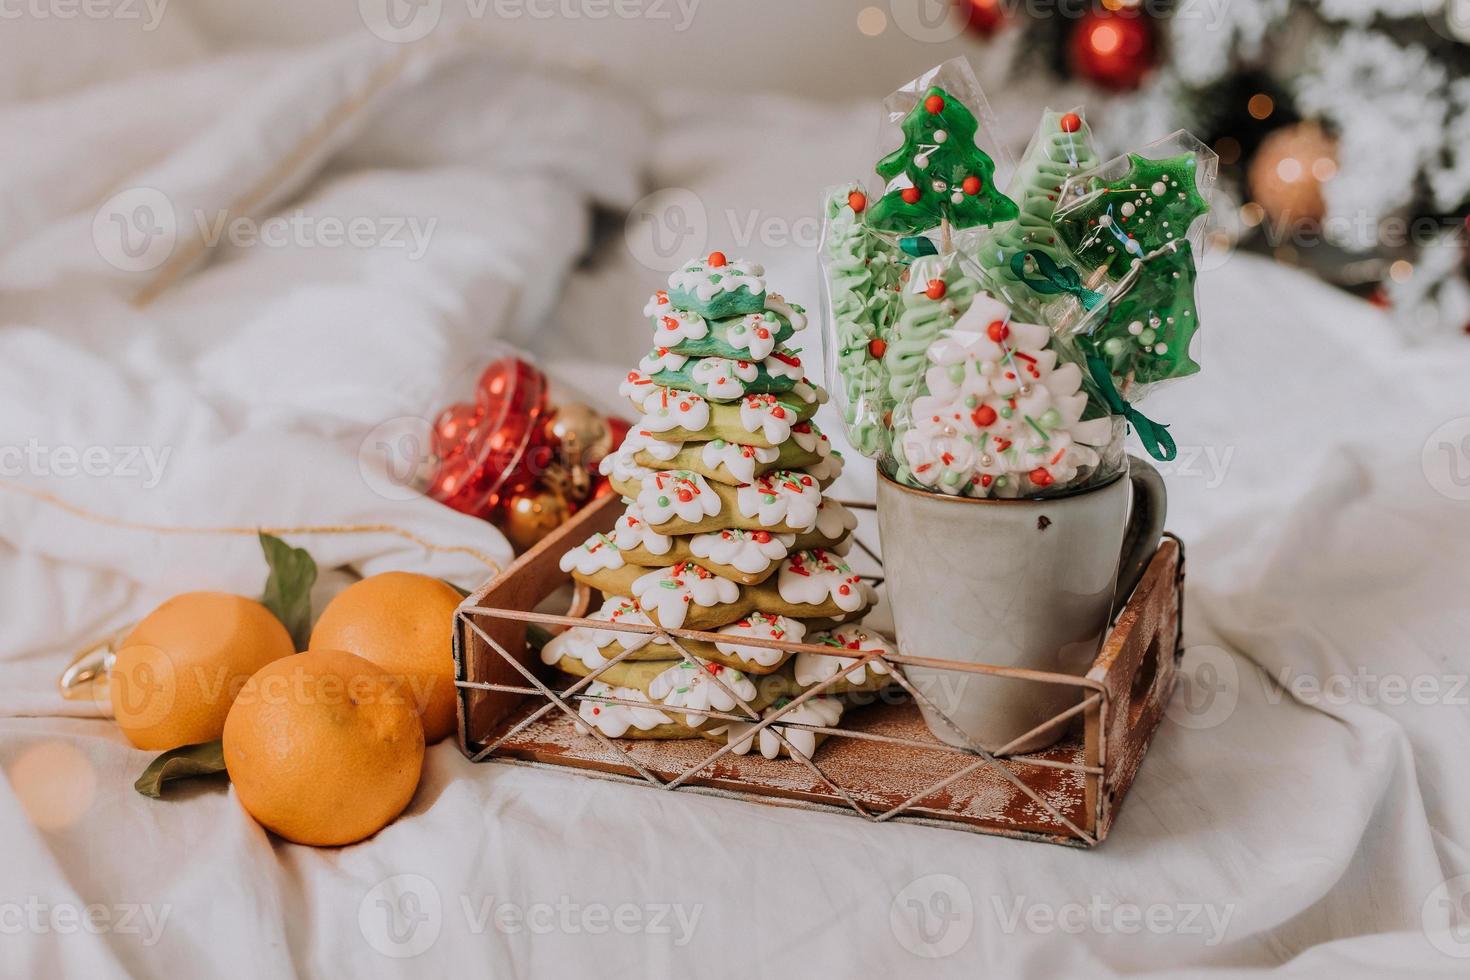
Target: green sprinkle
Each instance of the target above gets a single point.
(1007, 412)
(663, 501)
(1033, 423)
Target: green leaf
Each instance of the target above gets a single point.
(184, 762)
(288, 588)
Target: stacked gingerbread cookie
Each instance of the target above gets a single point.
(727, 529)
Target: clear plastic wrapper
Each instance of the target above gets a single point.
(1130, 230)
(1060, 149)
(938, 162)
(987, 405)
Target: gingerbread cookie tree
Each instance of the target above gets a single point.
(727, 527)
(938, 174)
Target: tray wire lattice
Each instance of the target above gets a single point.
(494, 621)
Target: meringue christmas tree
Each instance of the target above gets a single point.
(938, 174)
(1000, 414)
(1060, 150)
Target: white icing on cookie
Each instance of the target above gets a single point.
(812, 668)
(809, 392)
(809, 438)
(593, 555)
(670, 408)
(688, 686)
(724, 380)
(632, 531)
(670, 592)
(751, 552)
(820, 711)
(636, 387)
(812, 577)
(585, 643)
(766, 414)
(764, 627)
(834, 520)
(788, 496)
(606, 550)
(826, 469)
(777, 304)
(670, 326)
(784, 364)
(676, 493)
(755, 333)
(620, 465)
(614, 720)
(661, 359)
(658, 449)
(706, 282)
(740, 460)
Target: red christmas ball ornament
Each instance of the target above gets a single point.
(910, 195)
(857, 200)
(936, 289)
(453, 427)
(984, 17)
(717, 260)
(934, 104)
(877, 347)
(1071, 122)
(1113, 50)
(972, 185)
(485, 450)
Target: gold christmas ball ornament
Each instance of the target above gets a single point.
(577, 429)
(532, 515)
(1288, 171)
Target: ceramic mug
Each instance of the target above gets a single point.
(1021, 583)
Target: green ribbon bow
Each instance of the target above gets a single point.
(1054, 278)
(1155, 437)
(917, 245)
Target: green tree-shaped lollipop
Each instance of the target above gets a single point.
(1144, 336)
(938, 174)
(1113, 222)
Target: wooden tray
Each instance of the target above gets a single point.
(882, 764)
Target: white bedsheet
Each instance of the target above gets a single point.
(1269, 829)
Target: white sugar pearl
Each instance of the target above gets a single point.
(1161, 348)
(940, 187)
(1136, 327)
(921, 161)
(940, 136)
(958, 197)
(1105, 220)
(1159, 188)
(1127, 209)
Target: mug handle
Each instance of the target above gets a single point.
(1145, 528)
